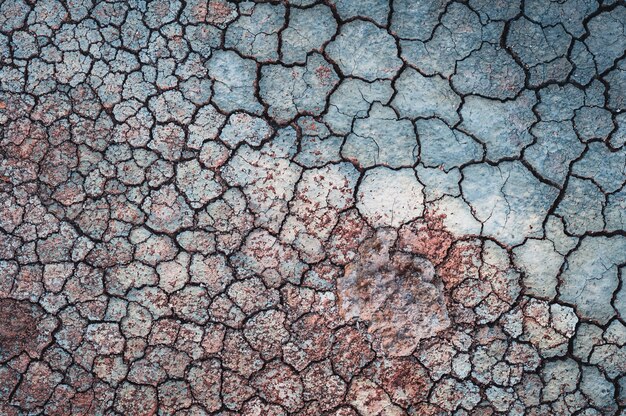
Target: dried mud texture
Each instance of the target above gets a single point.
(23, 328)
(313, 207)
(395, 294)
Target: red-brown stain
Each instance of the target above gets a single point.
(426, 237)
(324, 74)
(20, 327)
(462, 261)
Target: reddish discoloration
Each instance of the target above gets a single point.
(185, 229)
(219, 12)
(426, 237)
(462, 261)
(350, 231)
(397, 294)
(279, 384)
(351, 352)
(404, 379)
(37, 386)
(311, 340)
(23, 329)
(324, 74)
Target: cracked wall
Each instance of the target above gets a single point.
(313, 207)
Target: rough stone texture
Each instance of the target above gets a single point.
(395, 293)
(26, 329)
(305, 207)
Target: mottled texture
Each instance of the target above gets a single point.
(313, 207)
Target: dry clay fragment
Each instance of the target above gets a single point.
(397, 294)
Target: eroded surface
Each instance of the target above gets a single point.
(308, 207)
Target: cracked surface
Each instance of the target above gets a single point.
(313, 207)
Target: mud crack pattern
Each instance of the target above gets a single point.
(313, 207)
